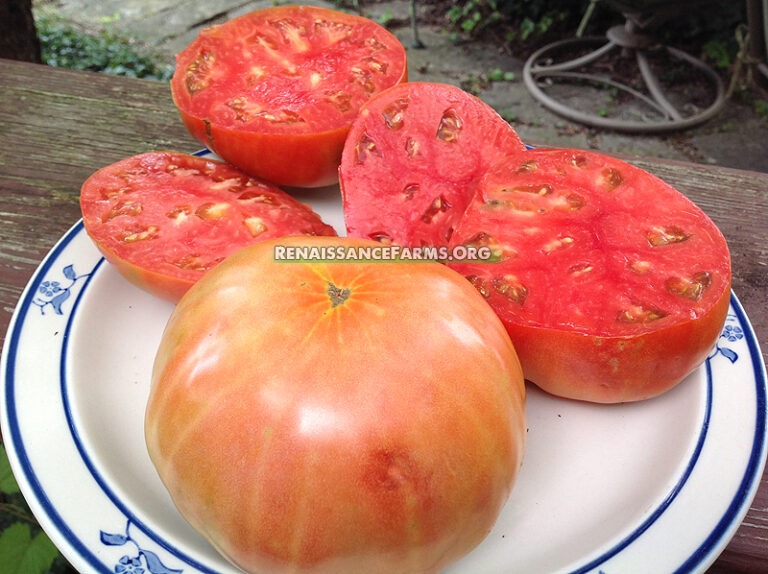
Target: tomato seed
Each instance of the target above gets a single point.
(557, 244)
(580, 269)
(342, 101)
(253, 196)
(192, 262)
(480, 284)
(659, 235)
(128, 208)
(578, 160)
(377, 65)
(439, 204)
(410, 190)
(689, 287)
(179, 213)
(411, 147)
(640, 314)
(255, 225)
(197, 76)
(393, 114)
(640, 267)
(143, 234)
(510, 287)
(610, 178)
(212, 210)
(365, 148)
(528, 166)
(450, 126)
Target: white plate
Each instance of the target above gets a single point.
(658, 486)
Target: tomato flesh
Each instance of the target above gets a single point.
(274, 91)
(336, 417)
(165, 218)
(413, 159)
(600, 262)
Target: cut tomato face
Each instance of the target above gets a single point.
(413, 159)
(165, 218)
(275, 91)
(612, 285)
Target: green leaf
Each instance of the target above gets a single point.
(8, 484)
(20, 553)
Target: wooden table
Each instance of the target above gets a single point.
(57, 127)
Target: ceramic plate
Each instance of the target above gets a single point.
(657, 486)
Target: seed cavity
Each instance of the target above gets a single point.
(640, 314)
(393, 114)
(192, 262)
(691, 288)
(340, 100)
(511, 288)
(126, 208)
(499, 251)
(533, 189)
(640, 267)
(528, 166)
(410, 190)
(557, 244)
(197, 76)
(255, 225)
(365, 148)
(611, 178)
(661, 235)
(254, 196)
(438, 205)
(140, 234)
(411, 147)
(450, 126)
(578, 160)
(179, 214)
(211, 210)
(480, 284)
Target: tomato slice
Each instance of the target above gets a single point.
(612, 284)
(413, 159)
(275, 91)
(165, 218)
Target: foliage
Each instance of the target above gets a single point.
(24, 547)
(65, 46)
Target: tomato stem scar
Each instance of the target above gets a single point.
(337, 294)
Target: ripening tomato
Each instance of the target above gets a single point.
(613, 285)
(336, 416)
(274, 91)
(413, 159)
(163, 219)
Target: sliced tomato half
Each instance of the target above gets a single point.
(165, 218)
(275, 91)
(413, 159)
(612, 285)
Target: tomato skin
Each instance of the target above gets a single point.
(306, 429)
(612, 285)
(163, 218)
(287, 121)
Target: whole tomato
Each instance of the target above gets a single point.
(336, 416)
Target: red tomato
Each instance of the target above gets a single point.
(613, 285)
(336, 417)
(413, 160)
(274, 91)
(165, 218)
